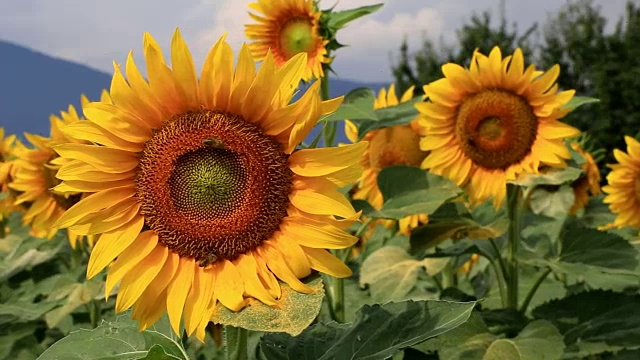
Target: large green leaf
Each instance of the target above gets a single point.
(554, 176)
(554, 202)
(22, 311)
(540, 340)
(392, 273)
(20, 251)
(593, 277)
(589, 246)
(119, 339)
(357, 104)
(378, 332)
(294, 313)
(595, 316)
(338, 19)
(410, 190)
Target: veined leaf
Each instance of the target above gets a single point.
(357, 104)
(338, 19)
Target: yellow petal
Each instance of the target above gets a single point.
(229, 285)
(130, 257)
(323, 161)
(325, 262)
(93, 203)
(178, 290)
(136, 281)
(112, 244)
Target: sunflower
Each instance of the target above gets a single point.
(623, 189)
(6, 173)
(396, 145)
(588, 184)
(288, 28)
(487, 124)
(197, 189)
(35, 178)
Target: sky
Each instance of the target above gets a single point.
(96, 33)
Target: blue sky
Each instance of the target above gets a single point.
(95, 33)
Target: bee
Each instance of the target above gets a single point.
(210, 259)
(214, 143)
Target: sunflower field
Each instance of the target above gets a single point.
(211, 214)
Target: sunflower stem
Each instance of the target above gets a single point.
(514, 196)
(329, 128)
(235, 341)
(338, 299)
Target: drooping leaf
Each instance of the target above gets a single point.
(294, 313)
(338, 19)
(378, 332)
(595, 316)
(578, 101)
(119, 339)
(540, 340)
(552, 203)
(357, 104)
(392, 273)
(410, 190)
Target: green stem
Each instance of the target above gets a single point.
(503, 266)
(447, 276)
(235, 341)
(514, 194)
(338, 299)
(3, 223)
(330, 128)
(95, 313)
(501, 282)
(324, 87)
(534, 289)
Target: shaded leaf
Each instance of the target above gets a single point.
(552, 203)
(378, 332)
(539, 340)
(594, 277)
(116, 340)
(294, 313)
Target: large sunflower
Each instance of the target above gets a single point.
(487, 124)
(623, 189)
(6, 173)
(288, 28)
(34, 178)
(588, 184)
(198, 192)
(396, 145)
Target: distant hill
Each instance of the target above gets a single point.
(34, 85)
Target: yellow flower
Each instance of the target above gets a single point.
(623, 189)
(288, 28)
(487, 124)
(396, 145)
(6, 173)
(34, 178)
(198, 191)
(588, 184)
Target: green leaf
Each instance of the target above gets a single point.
(14, 333)
(117, 340)
(589, 246)
(24, 311)
(378, 332)
(294, 313)
(74, 295)
(410, 190)
(392, 273)
(338, 19)
(578, 101)
(401, 114)
(357, 104)
(22, 251)
(539, 340)
(553, 176)
(594, 277)
(595, 316)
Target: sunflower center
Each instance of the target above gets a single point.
(397, 145)
(212, 185)
(496, 128)
(297, 36)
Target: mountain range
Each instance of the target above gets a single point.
(34, 85)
